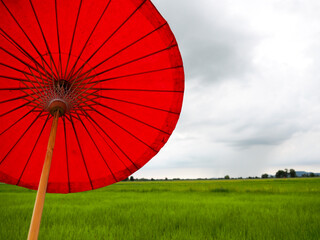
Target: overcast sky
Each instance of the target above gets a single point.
(252, 101)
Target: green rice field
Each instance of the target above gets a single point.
(216, 209)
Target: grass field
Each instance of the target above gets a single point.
(231, 209)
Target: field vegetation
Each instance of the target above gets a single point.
(216, 209)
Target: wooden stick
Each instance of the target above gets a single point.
(38, 206)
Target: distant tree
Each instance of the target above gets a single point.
(166, 179)
(265, 175)
(226, 177)
(281, 174)
(131, 178)
(126, 179)
(305, 175)
(292, 173)
(152, 179)
(312, 174)
(286, 171)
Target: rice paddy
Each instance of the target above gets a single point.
(212, 209)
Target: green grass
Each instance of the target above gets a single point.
(232, 209)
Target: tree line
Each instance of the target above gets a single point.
(291, 173)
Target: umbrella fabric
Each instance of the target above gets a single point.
(116, 66)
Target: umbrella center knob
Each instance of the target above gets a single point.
(57, 105)
(60, 97)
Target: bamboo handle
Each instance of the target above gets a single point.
(38, 206)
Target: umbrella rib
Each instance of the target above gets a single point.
(20, 60)
(95, 144)
(44, 113)
(66, 147)
(131, 134)
(135, 74)
(80, 114)
(13, 43)
(31, 95)
(34, 87)
(58, 35)
(128, 116)
(84, 162)
(16, 121)
(25, 166)
(73, 34)
(83, 109)
(45, 83)
(14, 89)
(81, 95)
(22, 81)
(52, 73)
(73, 115)
(134, 60)
(34, 105)
(19, 89)
(91, 120)
(137, 104)
(20, 48)
(15, 79)
(16, 69)
(85, 45)
(80, 105)
(26, 99)
(67, 117)
(114, 32)
(73, 81)
(131, 44)
(22, 89)
(138, 90)
(12, 110)
(24, 32)
(20, 138)
(81, 81)
(47, 76)
(44, 38)
(13, 99)
(43, 91)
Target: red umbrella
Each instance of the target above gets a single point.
(103, 78)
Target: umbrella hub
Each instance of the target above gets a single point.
(60, 97)
(57, 105)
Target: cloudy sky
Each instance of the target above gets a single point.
(252, 102)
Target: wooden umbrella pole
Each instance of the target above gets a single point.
(38, 206)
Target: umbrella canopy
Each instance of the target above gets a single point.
(112, 66)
